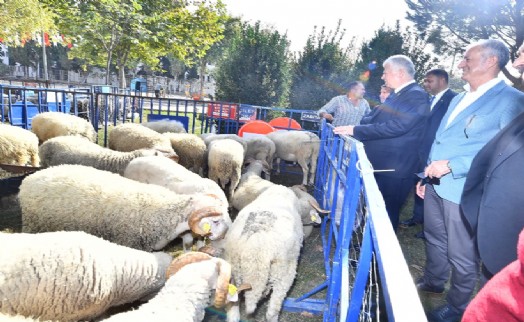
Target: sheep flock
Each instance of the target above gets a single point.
(114, 233)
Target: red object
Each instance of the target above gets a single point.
(46, 39)
(285, 122)
(223, 111)
(257, 127)
(502, 298)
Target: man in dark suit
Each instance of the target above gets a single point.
(492, 202)
(391, 134)
(436, 84)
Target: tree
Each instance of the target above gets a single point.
(255, 67)
(23, 20)
(452, 24)
(387, 42)
(118, 32)
(321, 71)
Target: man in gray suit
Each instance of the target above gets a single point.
(473, 118)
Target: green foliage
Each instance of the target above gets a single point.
(321, 71)
(254, 68)
(115, 32)
(22, 20)
(452, 24)
(388, 42)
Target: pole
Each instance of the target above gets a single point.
(44, 61)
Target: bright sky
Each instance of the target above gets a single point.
(298, 17)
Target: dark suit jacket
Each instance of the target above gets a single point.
(432, 124)
(391, 133)
(492, 201)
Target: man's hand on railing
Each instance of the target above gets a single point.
(347, 129)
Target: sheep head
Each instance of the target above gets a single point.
(208, 222)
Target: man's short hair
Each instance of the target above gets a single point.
(354, 84)
(437, 72)
(401, 62)
(493, 47)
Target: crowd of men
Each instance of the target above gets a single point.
(467, 149)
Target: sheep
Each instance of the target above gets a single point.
(251, 185)
(191, 150)
(77, 150)
(298, 146)
(263, 246)
(225, 158)
(71, 276)
(165, 125)
(173, 176)
(121, 210)
(260, 147)
(18, 146)
(186, 294)
(52, 124)
(129, 137)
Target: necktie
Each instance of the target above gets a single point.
(431, 99)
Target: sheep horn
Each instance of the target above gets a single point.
(224, 275)
(315, 205)
(199, 214)
(185, 259)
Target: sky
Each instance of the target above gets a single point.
(297, 18)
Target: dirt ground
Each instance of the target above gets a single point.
(311, 268)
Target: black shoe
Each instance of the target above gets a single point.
(425, 287)
(444, 313)
(407, 223)
(420, 235)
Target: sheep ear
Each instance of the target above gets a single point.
(196, 216)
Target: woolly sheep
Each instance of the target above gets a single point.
(71, 276)
(251, 185)
(263, 246)
(129, 137)
(166, 125)
(191, 279)
(225, 158)
(260, 147)
(18, 146)
(173, 176)
(308, 208)
(77, 150)
(121, 210)
(191, 150)
(298, 146)
(52, 124)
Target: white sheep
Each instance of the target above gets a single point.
(121, 210)
(71, 276)
(191, 279)
(260, 147)
(173, 176)
(191, 150)
(251, 184)
(165, 125)
(18, 146)
(52, 124)
(263, 246)
(129, 137)
(225, 158)
(77, 150)
(298, 146)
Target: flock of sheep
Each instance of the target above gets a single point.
(95, 221)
